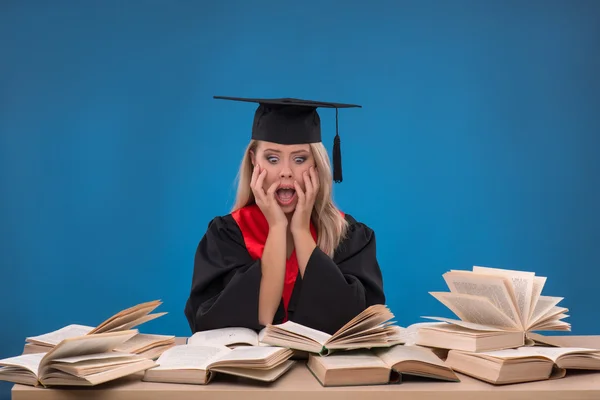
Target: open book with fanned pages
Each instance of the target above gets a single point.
(147, 345)
(371, 328)
(86, 360)
(497, 309)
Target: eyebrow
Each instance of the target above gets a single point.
(293, 152)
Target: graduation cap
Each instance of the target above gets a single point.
(293, 121)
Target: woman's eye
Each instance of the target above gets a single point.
(272, 159)
(300, 160)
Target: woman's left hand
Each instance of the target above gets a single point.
(306, 201)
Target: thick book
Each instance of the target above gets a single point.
(371, 328)
(198, 364)
(86, 360)
(379, 366)
(497, 309)
(122, 321)
(524, 364)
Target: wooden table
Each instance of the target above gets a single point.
(299, 384)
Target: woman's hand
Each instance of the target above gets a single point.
(267, 201)
(306, 200)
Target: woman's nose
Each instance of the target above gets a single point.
(286, 172)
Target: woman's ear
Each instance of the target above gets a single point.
(253, 158)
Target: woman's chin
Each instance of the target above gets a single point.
(288, 208)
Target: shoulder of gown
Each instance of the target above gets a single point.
(226, 280)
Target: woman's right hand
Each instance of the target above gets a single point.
(267, 201)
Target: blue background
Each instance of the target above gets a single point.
(477, 143)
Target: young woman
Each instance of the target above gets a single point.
(285, 252)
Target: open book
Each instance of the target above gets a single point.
(80, 361)
(147, 345)
(231, 337)
(197, 364)
(378, 366)
(124, 320)
(370, 328)
(496, 308)
(525, 364)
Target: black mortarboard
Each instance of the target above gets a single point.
(293, 121)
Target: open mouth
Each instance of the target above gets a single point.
(285, 195)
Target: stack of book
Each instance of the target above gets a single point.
(147, 345)
(368, 350)
(80, 355)
(493, 338)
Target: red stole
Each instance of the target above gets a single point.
(255, 228)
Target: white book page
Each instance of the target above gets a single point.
(142, 340)
(30, 362)
(224, 337)
(351, 359)
(55, 337)
(544, 306)
(89, 357)
(249, 354)
(318, 336)
(494, 288)
(538, 285)
(187, 356)
(89, 344)
(408, 335)
(522, 283)
(464, 324)
(478, 310)
(552, 353)
(395, 354)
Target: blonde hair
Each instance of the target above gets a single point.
(330, 224)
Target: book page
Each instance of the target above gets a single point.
(254, 353)
(494, 288)
(544, 306)
(551, 316)
(374, 315)
(538, 285)
(464, 324)
(187, 356)
(317, 336)
(89, 344)
(124, 320)
(396, 354)
(408, 335)
(551, 353)
(127, 315)
(554, 353)
(135, 322)
(522, 283)
(380, 310)
(474, 309)
(143, 340)
(224, 337)
(98, 356)
(362, 358)
(55, 337)
(30, 362)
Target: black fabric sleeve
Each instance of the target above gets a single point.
(336, 290)
(226, 280)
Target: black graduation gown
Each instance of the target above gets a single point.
(226, 282)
